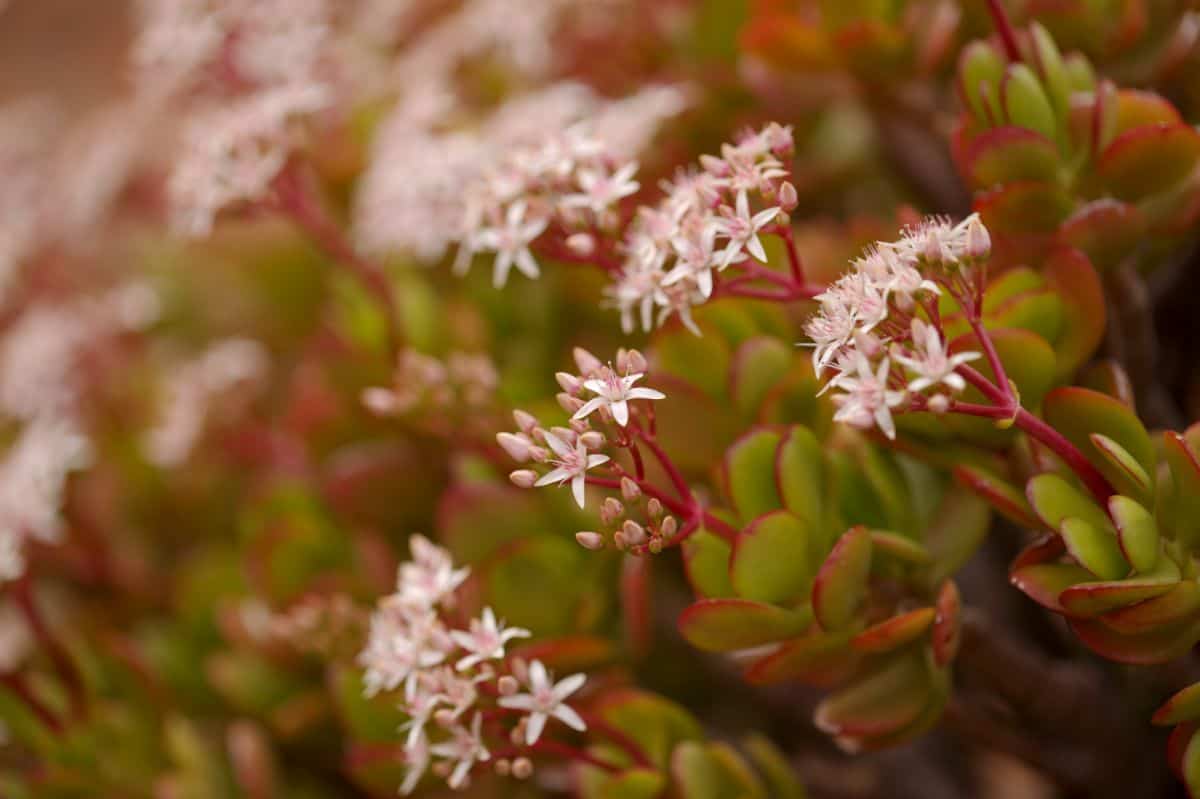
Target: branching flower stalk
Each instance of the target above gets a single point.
(607, 393)
(886, 311)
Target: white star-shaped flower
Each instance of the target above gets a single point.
(510, 242)
(571, 465)
(866, 399)
(930, 361)
(485, 640)
(466, 748)
(742, 230)
(615, 392)
(545, 700)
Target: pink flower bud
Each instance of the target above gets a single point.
(654, 508)
(979, 242)
(502, 767)
(523, 478)
(580, 426)
(517, 446)
(715, 166)
(611, 509)
(582, 244)
(788, 199)
(629, 489)
(590, 540)
(668, 527)
(634, 533)
(522, 768)
(588, 364)
(938, 403)
(569, 382)
(637, 361)
(507, 685)
(567, 402)
(566, 434)
(623, 361)
(656, 545)
(525, 421)
(593, 439)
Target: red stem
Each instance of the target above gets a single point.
(17, 684)
(64, 665)
(1008, 36)
(296, 195)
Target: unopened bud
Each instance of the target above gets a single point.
(565, 433)
(516, 445)
(634, 533)
(580, 426)
(525, 421)
(379, 401)
(539, 454)
(656, 545)
(630, 489)
(517, 736)
(714, 165)
(519, 669)
(654, 508)
(507, 685)
(593, 439)
(568, 403)
(938, 403)
(623, 361)
(788, 199)
(522, 768)
(589, 540)
(611, 509)
(581, 244)
(444, 717)
(502, 767)
(569, 382)
(587, 362)
(637, 361)
(668, 527)
(979, 242)
(619, 541)
(523, 478)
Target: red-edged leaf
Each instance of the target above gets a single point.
(1149, 160)
(1183, 706)
(1010, 153)
(726, 625)
(947, 624)
(841, 582)
(1084, 314)
(1045, 582)
(881, 703)
(1143, 649)
(1105, 230)
(770, 558)
(1088, 600)
(1175, 606)
(1001, 495)
(816, 659)
(895, 632)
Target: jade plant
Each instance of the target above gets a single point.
(693, 399)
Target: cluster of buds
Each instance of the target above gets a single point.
(457, 686)
(651, 531)
(323, 625)
(706, 222)
(880, 330)
(461, 385)
(600, 390)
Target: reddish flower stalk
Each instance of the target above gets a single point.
(20, 688)
(64, 664)
(296, 195)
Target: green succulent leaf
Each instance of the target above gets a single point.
(1137, 532)
(726, 625)
(841, 583)
(770, 558)
(750, 474)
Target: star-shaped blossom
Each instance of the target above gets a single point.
(466, 748)
(614, 392)
(571, 465)
(510, 242)
(398, 648)
(545, 700)
(601, 190)
(416, 756)
(930, 361)
(742, 230)
(430, 577)
(485, 640)
(866, 400)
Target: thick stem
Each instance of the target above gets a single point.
(989, 352)
(297, 196)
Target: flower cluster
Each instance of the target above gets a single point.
(704, 224)
(457, 684)
(551, 142)
(600, 390)
(193, 389)
(870, 319)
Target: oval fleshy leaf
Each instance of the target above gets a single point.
(880, 703)
(1175, 606)
(1183, 504)
(1010, 153)
(1154, 646)
(750, 474)
(1084, 312)
(711, 771)
(1025, 101)
(1137, 532)
(816, 659)
(947, 624)
(706, 561)
(1000, 494)
(900, 547)
(1077, 413)
(1088, 600)
(800, 473)
(1149, 159)
(1045, 582)
(758, 365)
(1105, 230)
(1054, 499)
(894, 633)
(1119, 456)
(841, 582)
(770, 558)
(1182, 706)
(1094, 548)
(953, 535)
(726, 625)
